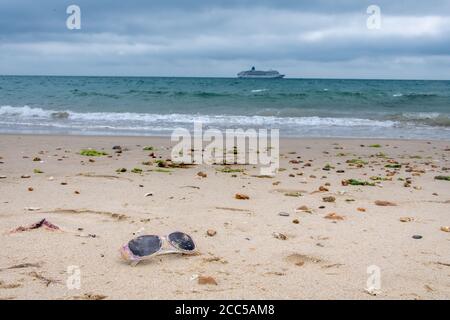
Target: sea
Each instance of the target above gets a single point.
(155, 106)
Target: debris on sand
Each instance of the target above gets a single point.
(334, 216)
(207, 280)
(23, 266)
(42, 223)
(241, 196)
(283, 214)
(3, 285)
(211, 232)
(445, 228)
(90, 296)
(44, 279)
(304, 209)
(361, 209)
(301, 259)
(32, 208)
(417, 237)
(406, 219)
(279, 236)
(383, 203)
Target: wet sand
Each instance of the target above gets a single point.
(328, 234)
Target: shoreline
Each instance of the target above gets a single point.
(287, 138)
(303, 234)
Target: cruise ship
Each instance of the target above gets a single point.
(257, 74)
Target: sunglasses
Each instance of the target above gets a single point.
(145, 247)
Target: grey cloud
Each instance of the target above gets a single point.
(210, 38)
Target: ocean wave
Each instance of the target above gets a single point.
(113, 118)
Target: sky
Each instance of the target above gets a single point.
(219, 38)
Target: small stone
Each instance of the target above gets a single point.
(329, 199)
(211, 232)
(149, 194)
(385, 203)
(76, 192)
(406, 219)
(30, 189)
(445, 228)
(241, 196)
(37, 159)
(361, 210)
(323, 189)
(64, 183)
(2, 177)
(417, 237)
(207, 280)
(283, 214)
(334, 216)
(202, 174)
(295, 221)
(279, 236)
(25, 176)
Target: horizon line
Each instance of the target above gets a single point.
(218, 77)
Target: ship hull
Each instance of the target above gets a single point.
(278, 76)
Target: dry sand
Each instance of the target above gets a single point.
(321, 258)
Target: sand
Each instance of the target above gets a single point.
(256, 253)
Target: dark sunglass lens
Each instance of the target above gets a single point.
(181, 241)
(145, 245)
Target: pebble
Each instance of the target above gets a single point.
(211, 232)
(202, 174)
(280, 236)
(2, 177)
(241, 196)
(329, 199)
(445, 228)
(283, 214)
(417, 237)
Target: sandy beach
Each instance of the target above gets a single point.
(308, 233)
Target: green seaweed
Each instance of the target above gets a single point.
(375, 145)
(136, 170)
(162, 170)
(393, 166)
(357, 161)
(444, 178)
(92, 153)
(37, 171)
(230, 170)
(148, 148)
(355, 182)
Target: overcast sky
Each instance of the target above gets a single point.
(222, 37)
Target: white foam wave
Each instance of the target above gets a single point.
(113, 119)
